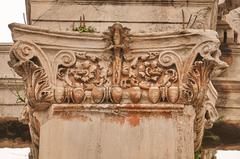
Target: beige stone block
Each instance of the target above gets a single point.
(6, 71)
(107, 131)
(232, 58)
(10, 111)
(140, 16)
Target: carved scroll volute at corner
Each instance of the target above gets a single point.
(205, 64)
(30, 62)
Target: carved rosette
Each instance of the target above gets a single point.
(121, 76)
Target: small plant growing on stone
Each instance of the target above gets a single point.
(83, 28)
(198, 154)
(17, 91)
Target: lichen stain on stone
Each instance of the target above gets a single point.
(134, 120)
(161, 114)
(114, 119)
(72, 116)
(167, 115)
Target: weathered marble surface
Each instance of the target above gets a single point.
(125, 132)
(141, 16)
(118, 67)
(169, 17)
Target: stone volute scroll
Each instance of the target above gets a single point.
(119, 73)
(30, 62)
(205, 64)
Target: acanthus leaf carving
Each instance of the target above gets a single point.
(119, 75)
(84, 72)
(205, 64)
(83, 77)
(29, 62)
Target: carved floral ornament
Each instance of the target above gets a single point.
(117, 75)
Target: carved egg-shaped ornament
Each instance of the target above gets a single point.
(78, 95)
(135, 94)
(59, 94)
(116, 94)
(154, 94)
(98, 94)
(173, 94)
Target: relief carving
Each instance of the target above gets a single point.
(233, 20)
(79, 72)
(83, 77)
(157, 72)
(197, 80)
(28, 61)
(120, 75)
(118, 44)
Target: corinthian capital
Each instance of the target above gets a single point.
(120, 68)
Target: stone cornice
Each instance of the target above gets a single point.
(5, 47)
(11, 82)
(227, 85)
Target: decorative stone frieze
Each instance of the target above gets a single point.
(119, 69)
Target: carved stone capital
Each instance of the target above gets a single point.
(233, 19)
(120, 68)
(31, 63)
